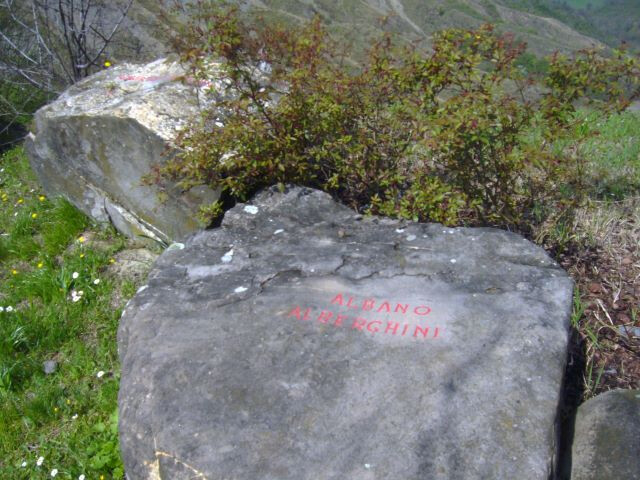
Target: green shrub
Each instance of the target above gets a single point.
(443, 136)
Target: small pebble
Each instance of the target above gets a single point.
(240, 289)
(50, 366)
(626, 332)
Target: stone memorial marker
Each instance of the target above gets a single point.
(301, 341)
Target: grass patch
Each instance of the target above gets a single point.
(56, 306)
(612, 151)
(599, 245)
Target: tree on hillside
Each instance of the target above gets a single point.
(46, 45)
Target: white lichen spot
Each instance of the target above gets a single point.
(240, 289)
(399, 230)
(411, 238)
(453, 260)
(142, 288)
(280, 230)
(252, 209)
(227, 257)
(367, 466)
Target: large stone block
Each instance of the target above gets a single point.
(97, 141)
(301, 341)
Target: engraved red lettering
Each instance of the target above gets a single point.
(337, 300)
(339, 319)
(368, 304)
(424, 331)
(436, 334)
(404, 330)
(401, 307)
(422, 310)
(374, 329)
(384, 307)
(393, 326)
(359, 323)
(350, 304)
(306, 314)
(325, 316)
(295, 313)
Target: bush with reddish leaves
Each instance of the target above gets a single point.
(459, 134)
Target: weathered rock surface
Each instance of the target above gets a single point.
(302, 341)
(606, 443)
(96, 142)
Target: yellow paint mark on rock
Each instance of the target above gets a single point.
(156, 466)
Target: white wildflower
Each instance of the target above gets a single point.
(39, 461)
(81, 477)
(96, 281)
(9, 309)
(23, 464)
(75, 275)
(54, 472)
(100, 374)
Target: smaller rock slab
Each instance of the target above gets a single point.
(606, 443)
(301, 341)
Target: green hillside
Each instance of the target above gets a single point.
(610, 21)
(359, 21)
